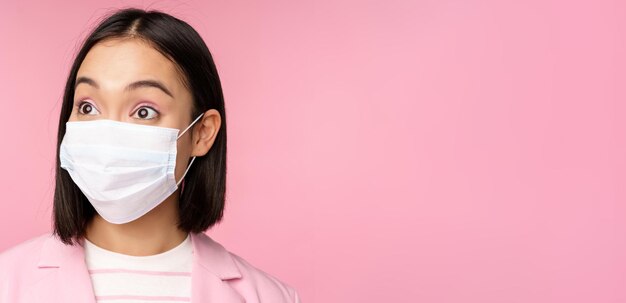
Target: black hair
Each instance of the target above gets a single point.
(201, 203)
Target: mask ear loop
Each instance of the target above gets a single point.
(194, 157)
(188, 167)
(190, 125)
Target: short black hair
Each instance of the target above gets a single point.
(201, 204)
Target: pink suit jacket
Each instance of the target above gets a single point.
(44, 269)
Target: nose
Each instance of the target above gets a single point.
(115, 108)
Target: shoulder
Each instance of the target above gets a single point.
(253, 283)
(23, 255)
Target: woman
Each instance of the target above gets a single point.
(140, 175)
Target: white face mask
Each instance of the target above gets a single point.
(124, 169)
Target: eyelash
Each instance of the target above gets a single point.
(150, 107)
(80, 104)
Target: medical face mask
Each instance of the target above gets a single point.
(124, 169)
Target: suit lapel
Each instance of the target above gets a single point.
(212, 267)
(71, 281)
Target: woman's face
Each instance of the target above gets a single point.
(129, 81)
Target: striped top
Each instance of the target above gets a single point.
(160, 278)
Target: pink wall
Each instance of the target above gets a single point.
(381, 151)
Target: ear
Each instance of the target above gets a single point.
(204, 132)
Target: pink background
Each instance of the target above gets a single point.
(380, 151)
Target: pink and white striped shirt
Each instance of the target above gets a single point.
(120, 278)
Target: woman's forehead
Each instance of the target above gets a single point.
(114, 63)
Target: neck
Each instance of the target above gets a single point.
(154, 233)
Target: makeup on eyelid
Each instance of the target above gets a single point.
(147, 104)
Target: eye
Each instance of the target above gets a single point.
(146, 113)
(86, 108)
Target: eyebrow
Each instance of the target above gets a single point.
(129, 87)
